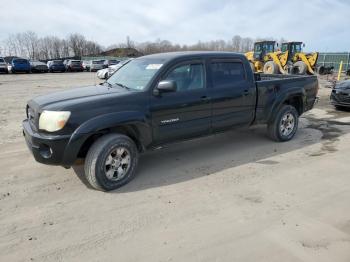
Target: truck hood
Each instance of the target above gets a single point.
(82, 94)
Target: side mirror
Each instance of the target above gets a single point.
(165, 86)
(303, 44)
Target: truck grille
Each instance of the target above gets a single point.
(32, 117)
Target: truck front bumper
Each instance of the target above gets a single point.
(46, 149)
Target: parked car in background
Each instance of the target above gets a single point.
(94, 65)
(3, 66)
(73, 65)
(38, 67)
(56, 66)
(109, 62)
(340, 95)
(85, 64)
(19, 65)
(107, 72)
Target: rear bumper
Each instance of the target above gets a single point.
(76, 69)
(20, 69)
(46, 149)
(57, 69)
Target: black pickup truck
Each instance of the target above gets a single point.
(158, 99)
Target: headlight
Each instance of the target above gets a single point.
(52, 121)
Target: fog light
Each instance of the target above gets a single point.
(45, 151)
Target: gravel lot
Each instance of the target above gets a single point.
(236, 196)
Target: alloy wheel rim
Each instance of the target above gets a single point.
(117, 163)
(287, 124)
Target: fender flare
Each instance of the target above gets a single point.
(283, 97)
(100, 123)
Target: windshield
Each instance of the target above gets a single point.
(343, 85)
(97, 62)
(269, 47)
(21, 61)
(57, 62)
(296, 48)
(284, 48)
(137, 73)
(2, 60)
(113, 62)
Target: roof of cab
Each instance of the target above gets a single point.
(192, 54)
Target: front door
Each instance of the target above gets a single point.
(186, 112)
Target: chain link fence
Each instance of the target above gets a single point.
(334, 59)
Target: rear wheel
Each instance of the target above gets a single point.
(284, 125)
(299, 68)
(270, 67)
(111, 162)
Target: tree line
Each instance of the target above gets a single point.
(29, 45)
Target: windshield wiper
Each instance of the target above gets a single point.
(109, 84)
(121, 85)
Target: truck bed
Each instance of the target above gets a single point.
(273, 88)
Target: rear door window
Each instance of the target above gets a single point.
(226, 74)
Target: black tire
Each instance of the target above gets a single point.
(271, 67)
(299, 68)
(95, 162)
(340, 108)
(321, 70)
(275, 129)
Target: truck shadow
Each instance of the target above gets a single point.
(207, 156)
(197, 158)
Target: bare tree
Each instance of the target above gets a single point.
(30, 43)
(76, 44)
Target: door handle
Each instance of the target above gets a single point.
(246, 92)
(205, 99)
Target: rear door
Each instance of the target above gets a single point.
(185, 113)
(232, 94)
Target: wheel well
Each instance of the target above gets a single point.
(297, 102)
(127, 130)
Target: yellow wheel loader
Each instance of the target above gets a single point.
(289, 60)
(299, 62)
(264, 58)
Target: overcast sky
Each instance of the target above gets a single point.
(322, 24)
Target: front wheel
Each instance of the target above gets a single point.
(111, 162)
(270, 67)
(285, 124)
(299, 68)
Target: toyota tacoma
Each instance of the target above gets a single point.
(159, 99)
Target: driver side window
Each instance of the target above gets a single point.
(187, 77)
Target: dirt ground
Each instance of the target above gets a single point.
(236, 196)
